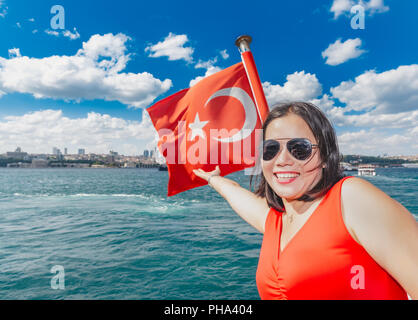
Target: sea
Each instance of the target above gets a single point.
(114, 234)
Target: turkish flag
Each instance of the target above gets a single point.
(215, 122)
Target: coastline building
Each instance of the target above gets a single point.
(17, 154)
(146, 153)
(129, 165)
(57, 153)
(39, 163)
(81, 151)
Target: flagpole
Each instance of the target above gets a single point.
(243, 43)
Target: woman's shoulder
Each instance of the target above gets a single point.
(354, 189)
(363, 205)
(358, 196)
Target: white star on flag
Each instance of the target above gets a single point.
(197, 127)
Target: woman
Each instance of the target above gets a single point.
(325, 236)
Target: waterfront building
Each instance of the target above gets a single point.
(129, 165)
(39, 163)
(18, 154)
(56, 151)
(81, 151)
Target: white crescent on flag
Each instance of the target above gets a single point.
(249, 109)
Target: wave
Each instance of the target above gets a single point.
(104, 195)
(148, 197)
(387, 178)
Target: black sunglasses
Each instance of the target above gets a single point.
(299, 148)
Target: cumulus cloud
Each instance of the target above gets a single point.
(38, 132)
(299, 86)
(343, 7)
(93, 73)
(14, 53)
(340, 52)
(210, 69)
(377, 142)
(172, 47)
(391, 91)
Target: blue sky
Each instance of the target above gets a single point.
(86, 86)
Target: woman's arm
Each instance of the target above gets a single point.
(386, 230)
(247, 205)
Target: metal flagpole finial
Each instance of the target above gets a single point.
(243, 43)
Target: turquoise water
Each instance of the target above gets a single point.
(118, 236)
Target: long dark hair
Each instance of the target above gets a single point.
(328, 149)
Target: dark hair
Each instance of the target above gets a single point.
(328, 149)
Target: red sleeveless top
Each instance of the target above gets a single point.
(321, 261)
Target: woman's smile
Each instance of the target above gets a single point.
(285, 177)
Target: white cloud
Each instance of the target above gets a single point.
(19, 25)
(224, 54)
(93, 73)
(210, 69)
(172, 47)
(339, 116)
(14, 53)
(340, 6)
(377, 142)
(52, 32)
(392, 91)
(39, 131)
(343, 7)
(299, 86)
(31, 20)
(3, 9)
(72, 36)
(66, 33)
(340, 52)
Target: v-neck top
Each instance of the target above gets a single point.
(321, 261)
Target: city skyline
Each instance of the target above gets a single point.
(88, 84)
(152, 153)
(147, 153)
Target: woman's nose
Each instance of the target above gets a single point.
(283, 157)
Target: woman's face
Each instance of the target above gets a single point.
(288, 177)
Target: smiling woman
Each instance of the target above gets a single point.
(325, 236)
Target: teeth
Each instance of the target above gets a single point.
(287, 175)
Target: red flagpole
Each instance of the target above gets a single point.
(243, 43)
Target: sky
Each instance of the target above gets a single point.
(81, 75)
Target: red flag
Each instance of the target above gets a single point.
(215, 122)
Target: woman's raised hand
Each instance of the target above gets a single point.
(206, 175)
(250, 207)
